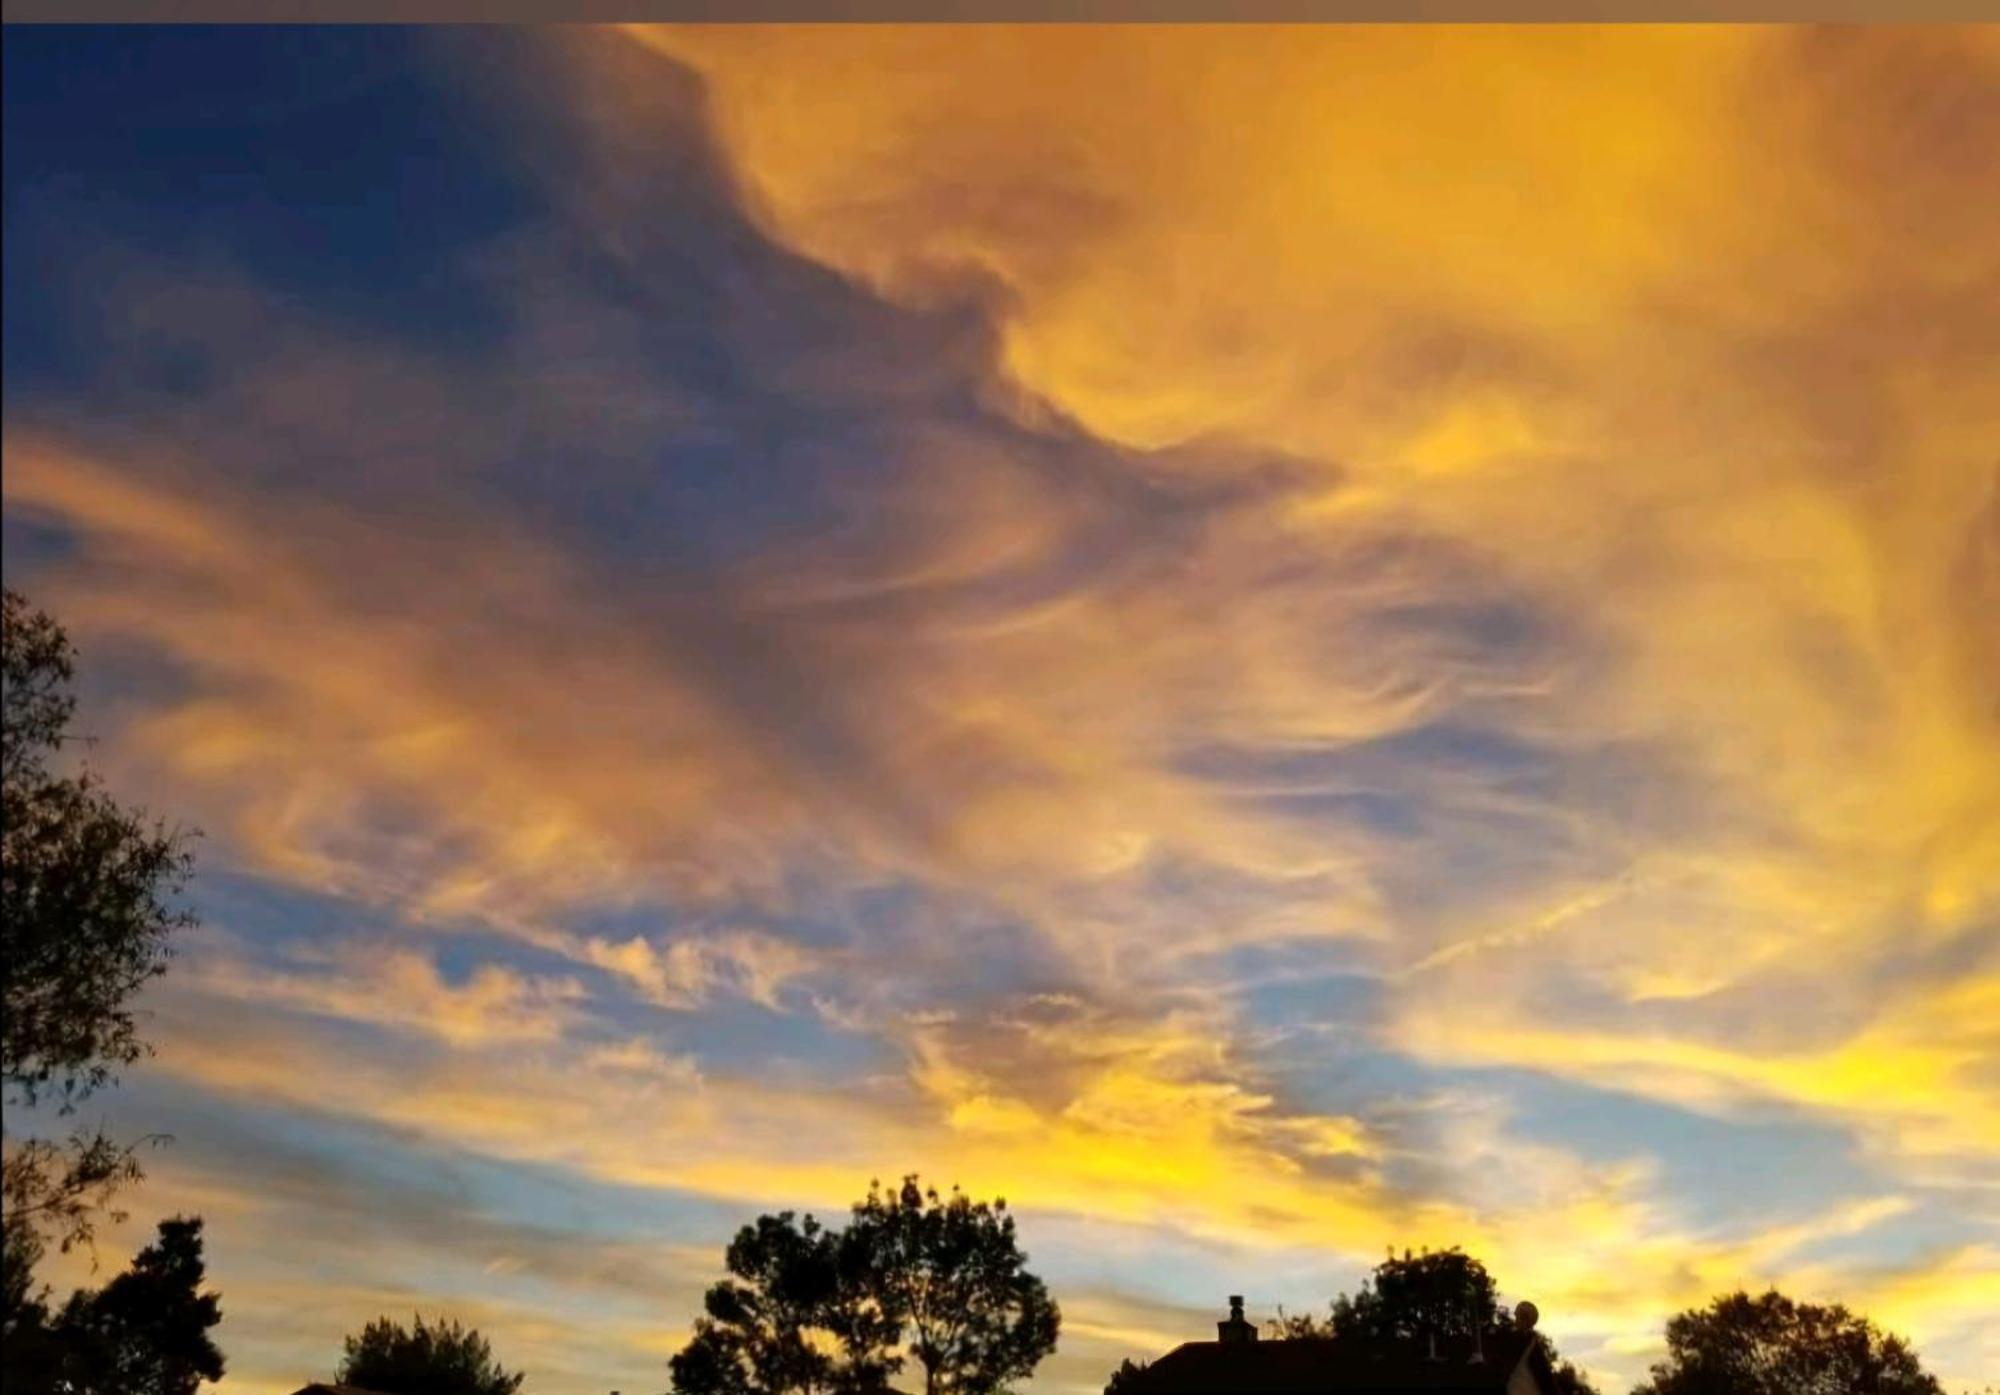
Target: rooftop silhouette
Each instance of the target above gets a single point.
(1237, 1363)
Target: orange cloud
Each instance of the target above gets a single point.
(401, 990)
(1629, 313)
(1602, 407)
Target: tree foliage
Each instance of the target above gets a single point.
(44, 1187)
(1287, 1327)
(809, 1311)
(438, 1358)
(85, 885)
(1443, 1292)
(30, 1357)
(1770, 1345)
(950, 1270)
(63, 1188)
(146, 1332)
(1121, 1379)
(794, 1318)
(86, 888)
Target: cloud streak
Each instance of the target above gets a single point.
(1197, 660)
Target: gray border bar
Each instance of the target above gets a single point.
(1033, 11)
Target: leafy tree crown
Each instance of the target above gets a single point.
(1410, 1297)
(793, 1318)
(951, 1271)
(813, 1311)
(86, 885)
(147, 1331)
(426, 1358)
(1771, 1345)
(85, 913)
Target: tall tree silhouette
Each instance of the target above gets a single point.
(950, 1271)
(1770, 1345)
(811, 1310)
(86, 891)
(440, 1358)
(147, 1331)
(85, 884)
(796, 1318)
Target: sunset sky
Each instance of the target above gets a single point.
(1270, 642)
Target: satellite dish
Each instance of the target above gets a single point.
(1526, 1315)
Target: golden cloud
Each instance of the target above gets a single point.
(1609, 402)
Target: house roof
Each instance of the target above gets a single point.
(317, 1388)
(1308, 1365)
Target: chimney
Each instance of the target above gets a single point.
(1235, 1329)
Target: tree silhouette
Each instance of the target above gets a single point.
(1286, 1327)
(30, 1348)
(950, 1270)
(1443, 1292)
(85, 915)
(1122, 1378)
(1770, 1345)
(85, 918)
(85, 885)
(811, 1310)
(796, 1318)
(144, 1333)
(440, 1358)
(47, 1186)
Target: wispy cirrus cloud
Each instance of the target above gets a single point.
(400, 990)
(1194, 660)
